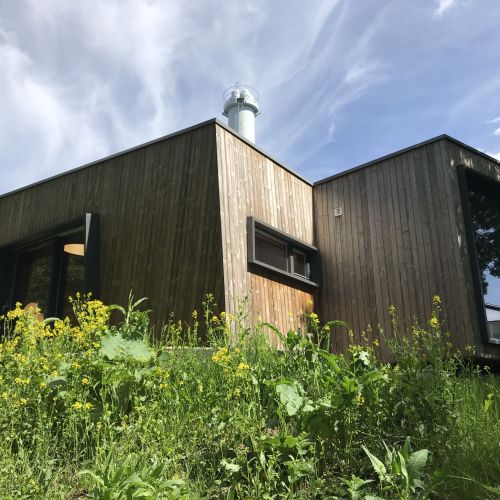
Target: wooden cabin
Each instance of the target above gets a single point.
(204, 210)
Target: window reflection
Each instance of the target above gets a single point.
(485, 208)
(72, 281)
(48, 273)
(33, 276)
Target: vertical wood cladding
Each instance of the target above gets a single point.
(159, 212)
(400, 241)
(250, 184)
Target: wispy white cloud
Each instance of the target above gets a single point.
(495, 120)
(443, 6)
(81, 80)
(497, 131)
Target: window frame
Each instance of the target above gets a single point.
(57, 236)
(255, 226)
(469, 178)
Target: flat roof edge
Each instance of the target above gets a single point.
(405, 150)
(114, 155)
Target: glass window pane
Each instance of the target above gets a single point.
(271, 251)
(485, 208)
(33, 277)
(72, 277)
(300, 266)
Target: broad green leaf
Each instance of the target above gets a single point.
(138, 350)
(289, 398)
(112, 346)
(416, 463)
(349, 385)
(378, 466)
(116, 347)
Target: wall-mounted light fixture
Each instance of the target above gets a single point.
(75, 249)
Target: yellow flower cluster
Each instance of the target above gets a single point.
(21, 381)
(434, 322)
(82, 406)
(222, 356)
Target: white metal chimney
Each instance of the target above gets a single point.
(241, 106)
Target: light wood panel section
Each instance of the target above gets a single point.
(160, 225)
(251, 184)
(400, 241)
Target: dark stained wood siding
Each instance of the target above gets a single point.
(400, 241)
(251, 184)
(160, 223)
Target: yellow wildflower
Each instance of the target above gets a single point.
(243, 366)
(434, 322)
(85, 381)
(77, 405)
(436, 299)
(88, 406)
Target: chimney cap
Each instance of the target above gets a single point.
(243, 94)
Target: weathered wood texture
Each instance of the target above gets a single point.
(160, 225)
(400, 241)
(250, 184)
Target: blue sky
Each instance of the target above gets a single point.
(341, 82)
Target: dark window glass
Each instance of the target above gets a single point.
(271, 251)
(33, 277)
(72, 281)
(48, 273)
(300, 265)
(485, 208)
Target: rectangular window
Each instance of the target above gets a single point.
(271, 250)
(482, 218)
(53, 266)
(279, 255)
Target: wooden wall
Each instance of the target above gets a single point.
(160, 226)
(400, 241)
(251, 184)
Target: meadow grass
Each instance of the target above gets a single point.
(92, 410)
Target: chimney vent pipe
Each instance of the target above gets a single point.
(241, 106)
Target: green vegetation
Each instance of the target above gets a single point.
(100, 411)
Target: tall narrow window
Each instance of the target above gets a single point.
(485, 210)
